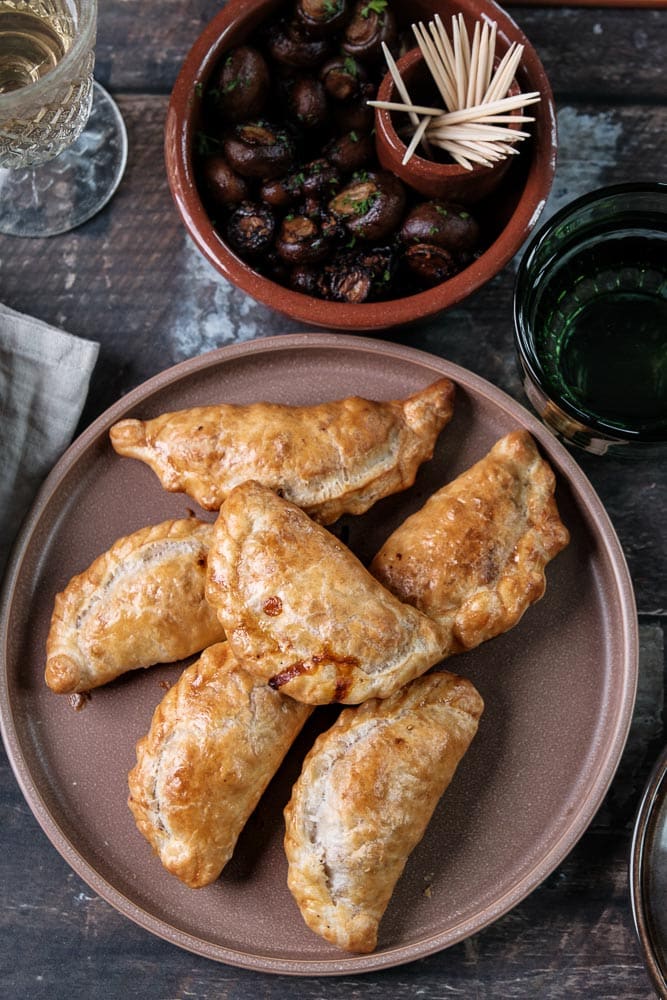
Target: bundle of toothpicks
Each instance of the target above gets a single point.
(474, 125)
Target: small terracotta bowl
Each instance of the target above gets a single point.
(506, 218)
(429, 177)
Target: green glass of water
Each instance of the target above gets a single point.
(590, 313)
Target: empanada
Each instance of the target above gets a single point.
(330, 459)
(142, 602)
(366, 793)
(216, 740)
(473, 557)
(301, 611)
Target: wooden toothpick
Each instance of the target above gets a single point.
(478, 123)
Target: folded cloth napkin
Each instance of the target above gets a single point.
(44, 376)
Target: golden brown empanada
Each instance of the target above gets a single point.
(141, 602)
(301, 611)
(366, 793)
(216, 740)
(473, 557)
(330, 459)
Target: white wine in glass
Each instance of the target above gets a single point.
(63, 144)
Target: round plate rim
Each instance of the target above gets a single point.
(606, 769)
(652, 799)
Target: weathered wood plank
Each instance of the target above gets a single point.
(610, 55)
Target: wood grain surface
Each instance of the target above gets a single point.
(132, 280)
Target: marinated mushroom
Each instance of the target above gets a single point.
(341, 77)
(355, 114)
(307, 102)
(371, 206)
(350, 151)
(279, 192)
(251, 229)
(290, 45)
(257, 149)
(304, 278)
(371, 24)
(358, 276)
(242, 85)
(430, 264)
(318, 179)
(318, 17)
(304, 239)
(223, 186)
(443, 224)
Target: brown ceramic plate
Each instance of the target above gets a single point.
(559, 688)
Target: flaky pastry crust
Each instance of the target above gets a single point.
(216, 740)
(367, 790)
(329, 459)
(142, 602)
(301, 611)
(473, 558)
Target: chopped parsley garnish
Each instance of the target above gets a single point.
(374, 6)
(365, 205)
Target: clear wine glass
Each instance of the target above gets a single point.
(63, 144)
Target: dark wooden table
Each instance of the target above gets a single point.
(131, 280)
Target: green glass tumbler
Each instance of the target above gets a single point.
(590, 314)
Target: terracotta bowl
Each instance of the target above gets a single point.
(430, 177)
(507, 217)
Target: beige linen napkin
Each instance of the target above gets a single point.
(44, 376)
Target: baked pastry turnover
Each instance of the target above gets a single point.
(366, 793)
(301, 611)
(329, 459)
(473, 557)
(141, 602)
(216, 740)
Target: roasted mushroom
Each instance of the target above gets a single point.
(305, 239)
(241, 88)
(306, 102)
(430, 264)
(304, 278)
(257, 149)
(358, 276)
(250, 229)
(341, 78)
(279, 192)
(319, 17)
(319, 179)
(371, 206)
(223, 186)
(356, 115)
(351, 151)
(292, 46)
(443, 224)
(315, 180)
(371, 24)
